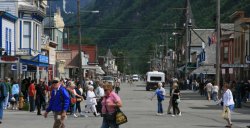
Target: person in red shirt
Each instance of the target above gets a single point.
(32, 93)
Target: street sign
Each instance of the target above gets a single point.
(24, 67)
(248, 59)
(234, 65)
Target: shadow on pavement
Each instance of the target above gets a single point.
(209, 126)
(241, 121)
(208, 107)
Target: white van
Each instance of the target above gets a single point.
(153, 78)
(135, 77)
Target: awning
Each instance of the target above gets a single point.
(39, 60)
(98, 69)
(209, 70)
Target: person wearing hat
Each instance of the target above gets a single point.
(59, 103)
(91, 101)
(160, 93)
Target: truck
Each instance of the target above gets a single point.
(153, 78)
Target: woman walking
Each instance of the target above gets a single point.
(160, 93)
(228, 103)
(176, 100)
(110, 101)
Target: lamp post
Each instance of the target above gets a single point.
(80, 76)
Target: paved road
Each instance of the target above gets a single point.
(141, 112)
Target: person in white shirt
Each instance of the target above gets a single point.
(228, 102)
(91, 101)
(208, 88)
(99, 91)
(215, 91)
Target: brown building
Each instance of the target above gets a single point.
(91, 50)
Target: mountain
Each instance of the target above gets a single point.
(132, 28)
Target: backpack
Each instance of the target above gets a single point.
(3, 91)
(160, 96)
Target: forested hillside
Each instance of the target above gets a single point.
(132, 28)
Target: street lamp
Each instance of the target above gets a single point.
(79, 40)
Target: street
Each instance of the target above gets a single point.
(141, 111)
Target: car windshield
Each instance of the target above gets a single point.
(107, 78)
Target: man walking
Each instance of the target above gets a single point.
(3, 95)
(59, 103)
(8, 89)
(32, 94)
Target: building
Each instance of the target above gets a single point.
(53, 27)
(227, 50)
(240, 46)
(7, 43)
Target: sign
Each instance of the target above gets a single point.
(24, 67)
(23, 52)
(223, 71)
(63, 56)
(234, 65)
(43, 59)
(95, 63)
(52, 56)
(231, 70)
(248, 59)
(9, 59)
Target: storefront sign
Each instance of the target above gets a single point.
(43, 59)
(63, 56)
(231, 70)
(9, 59)
(248, 59)
(24, 67)
(23, 52)
(52, 56)
(234, 65)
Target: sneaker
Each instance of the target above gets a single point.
(97, 114)
(75, 116)
(169, 113)
(179, 114)
(159, 114)
(173, 115)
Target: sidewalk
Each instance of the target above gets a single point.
(247, 104)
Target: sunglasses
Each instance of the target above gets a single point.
(55, 82)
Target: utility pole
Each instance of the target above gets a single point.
(187, 40)
(218, 45)
(80, 76)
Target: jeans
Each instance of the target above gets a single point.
(215, 96)
(1, 109)
(6, 101)
(160, 109)
(32, 103)
(109, 124)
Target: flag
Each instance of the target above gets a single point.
(209, 41)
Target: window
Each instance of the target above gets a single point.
(10, 41)
(6, 40)
(225, 53)
(26, 35)
(36, 32)
(246, 47)
(155, 78)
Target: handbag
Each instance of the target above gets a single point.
(178, 100)
(120, 117)
(225, 113)
(73, 100)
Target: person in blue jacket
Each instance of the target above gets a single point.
(59, 103)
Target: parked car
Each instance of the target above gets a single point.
(135, 77)
(153, 78)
